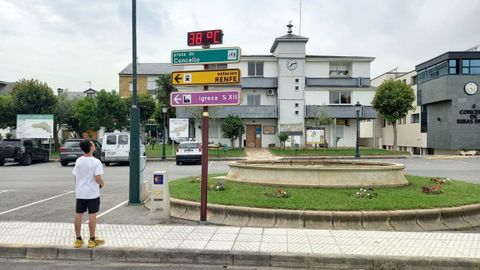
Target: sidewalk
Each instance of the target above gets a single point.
(243, 246)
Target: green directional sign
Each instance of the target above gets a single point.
(206, 56)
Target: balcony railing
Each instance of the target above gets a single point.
(265, 111)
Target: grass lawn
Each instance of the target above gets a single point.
(408, 197)
(157, 152)
(336, 152)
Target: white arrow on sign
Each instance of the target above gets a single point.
(176, 98)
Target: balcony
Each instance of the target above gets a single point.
(340, 111)
(264, 112)
(338, 82)
(259, 82)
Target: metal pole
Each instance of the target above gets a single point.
(203, 195)
(164, 136)
(357, 152)
(134, 183)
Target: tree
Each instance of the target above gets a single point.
(86, 113)
(283, 137)
(7, 112)
(112, 112)
(64, 110)
(33, 97)
(393, 99)
(164, 88)
(232, 128)
(146, 104)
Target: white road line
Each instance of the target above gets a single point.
(30, 204)
(3, 191)
(110, 210)
(211, 162)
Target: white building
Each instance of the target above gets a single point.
(287, 90)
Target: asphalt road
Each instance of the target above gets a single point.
(44, 192)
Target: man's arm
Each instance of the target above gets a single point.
(99, 180)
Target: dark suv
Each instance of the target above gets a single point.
(24, 151)
(70, 151)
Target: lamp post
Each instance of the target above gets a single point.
(358, 107)
(164, 111)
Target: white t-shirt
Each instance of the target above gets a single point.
(85, 170)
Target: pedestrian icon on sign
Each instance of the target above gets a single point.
(187, 78)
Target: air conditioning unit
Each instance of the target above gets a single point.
(270, 92)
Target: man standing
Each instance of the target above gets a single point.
(88, 180)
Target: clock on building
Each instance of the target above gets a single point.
(471, 88)
(292, 64)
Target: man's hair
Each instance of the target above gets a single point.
(85, 145)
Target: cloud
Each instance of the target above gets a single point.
(68, 42)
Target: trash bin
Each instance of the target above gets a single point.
(159, 196)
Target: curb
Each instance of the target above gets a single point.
(235, 258)
(439, 219)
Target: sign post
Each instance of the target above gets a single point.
(205, 77)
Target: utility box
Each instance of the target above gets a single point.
(159, 196)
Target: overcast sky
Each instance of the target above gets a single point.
(69, 42)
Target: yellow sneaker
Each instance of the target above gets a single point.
(96, 242)
(78, 243)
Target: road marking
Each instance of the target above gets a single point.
(110, 210)
(30, 204)
(211, 162)
(6, 190)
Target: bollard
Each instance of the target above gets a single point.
(159, 196)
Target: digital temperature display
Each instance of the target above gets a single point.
(204, 38)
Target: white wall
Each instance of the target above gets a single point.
(361, 69)
(264, 99)
(316, 97)
(363, 96)
(317, 69)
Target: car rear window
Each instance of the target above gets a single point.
(112, 139)
(12, 143)
(72, 144)
(189, 145)
(123, 139)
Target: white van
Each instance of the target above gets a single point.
(116, 147)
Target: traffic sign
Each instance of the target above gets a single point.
(206, 56)
(206, 77)
(205, 98)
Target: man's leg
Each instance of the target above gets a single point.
(92, 223)
(78, 224)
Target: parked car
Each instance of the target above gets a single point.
(71, 150)
(24, 151)
(116, 148)
(189, 152)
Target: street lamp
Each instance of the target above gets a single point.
(358, 107)
(164, 111)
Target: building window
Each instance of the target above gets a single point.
(296, 105)
(415, 118)
(216, 66)
(297, 88)
(213, 131)
(338, 70)
(340, 97)
(253, 100)
(452, 66)
(470, 66)
(255, 69)
(151, 85)
(384, 124)
(297, 80)
(414, 80)
(296, 112)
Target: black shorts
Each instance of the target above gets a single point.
(93, 205)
